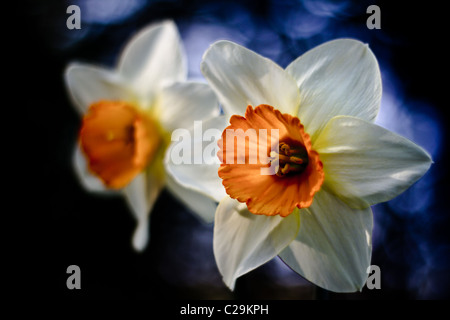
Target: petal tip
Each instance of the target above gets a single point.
(140, 236)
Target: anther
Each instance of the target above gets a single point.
(290, 159)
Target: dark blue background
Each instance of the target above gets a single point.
(61, 224)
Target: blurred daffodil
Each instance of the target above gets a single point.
(333, 162)
(128, 115)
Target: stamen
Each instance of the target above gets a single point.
(286, 159)
(291, 160)
(284, 148)
(296, 160)
(285, 169)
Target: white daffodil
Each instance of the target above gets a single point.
(333, 162)
(128, 116)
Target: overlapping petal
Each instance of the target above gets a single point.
(244, 241)
(334, 244)
(201, 177)
(339, 77)
(185, 102)
(366, 164)
(240, 77)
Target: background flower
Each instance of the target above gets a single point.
(147, 92)
(410, 239)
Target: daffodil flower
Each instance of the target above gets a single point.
(128, 115)
(333, 162)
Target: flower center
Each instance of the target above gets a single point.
(297, 178)
(118, 140)
(292, 159)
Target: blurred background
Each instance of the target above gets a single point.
(62, 224)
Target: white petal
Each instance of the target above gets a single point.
(88, 84)
(333, 247)
(199, 148)
(141, 195)
(87, 179)
(241, 77)
(185, 102)
(339, 77)
(367, 164)
(200, 204)
(154, 57)
(244, 241)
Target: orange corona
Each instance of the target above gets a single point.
(297, 178)
(118, 140)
